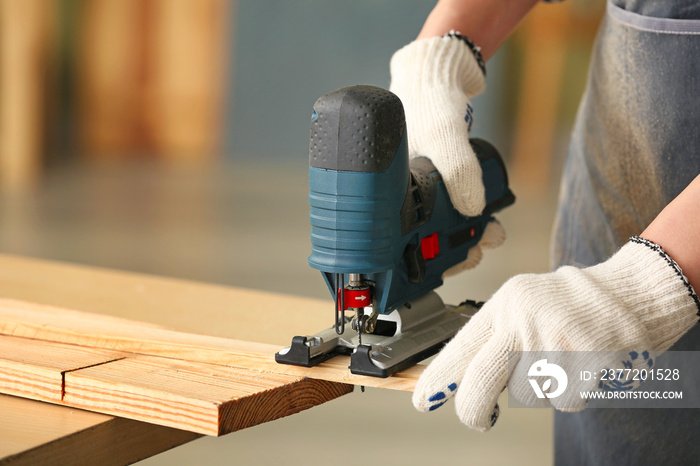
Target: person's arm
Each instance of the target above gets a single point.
(677, 230)
(486, 22)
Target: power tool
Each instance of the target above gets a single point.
(383, 232)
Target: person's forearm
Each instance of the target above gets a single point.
(677, 230)
(486, 22)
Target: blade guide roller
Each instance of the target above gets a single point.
(383, 232)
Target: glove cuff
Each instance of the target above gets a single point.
(476, 50)
(439, 62)
(653, 288)
(672, 264)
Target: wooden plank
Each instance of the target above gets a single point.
(208, 399)
(224, 311)
(184, 305)
(25, 30)
(203, 398)
(33, 433)
(187, 61)
(161, 88)
(23, 319)
(109, 76)
(35, 369)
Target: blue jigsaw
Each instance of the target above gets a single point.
(383, 233)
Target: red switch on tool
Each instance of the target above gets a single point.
(430, 246)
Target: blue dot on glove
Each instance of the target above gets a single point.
(437, 397)
(441, 397)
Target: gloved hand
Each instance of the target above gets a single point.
(435, 78)
(636, 300)
(494, 235)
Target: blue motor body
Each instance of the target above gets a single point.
(372, 213)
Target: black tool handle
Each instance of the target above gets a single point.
(356, 128)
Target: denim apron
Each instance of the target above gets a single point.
(634, 148)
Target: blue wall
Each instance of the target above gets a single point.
(288, 53)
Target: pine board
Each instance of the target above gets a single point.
(50, 323)
(35, 369)
(183, 328)
(183, 305)
(203, 398)
(207, 399)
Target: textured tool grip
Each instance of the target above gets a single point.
(357, 128)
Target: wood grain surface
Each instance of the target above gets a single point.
(35, 369)
(203, 398)
(50, 323)
(160, 350)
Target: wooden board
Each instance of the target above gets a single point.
(184, 305)
(208, 399)
(35, 369)
(160, 89)
(203, 398)
(33, 433)
(85, 306)
(23, 319)
(25, 54)
(187, 62)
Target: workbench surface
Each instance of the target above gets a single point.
(32, 431)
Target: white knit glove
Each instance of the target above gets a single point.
(434, 78)
(636, 301)
(494, 235)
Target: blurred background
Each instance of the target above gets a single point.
(171, 137)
